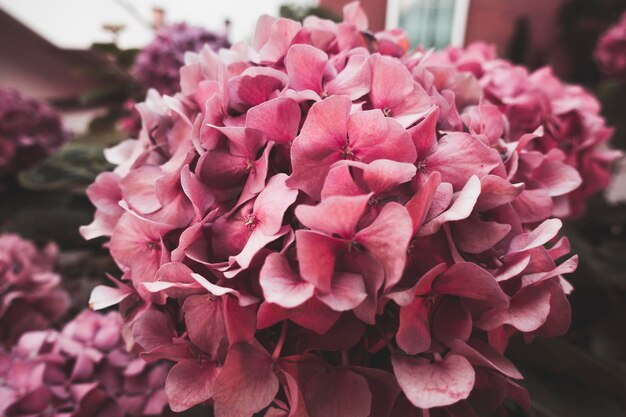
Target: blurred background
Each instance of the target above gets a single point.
(81, 58)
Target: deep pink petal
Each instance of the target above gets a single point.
(529, 310)
(338, 393)
(316, 255)
(373, 136)
(424, 134)
(319, 144)
(414, 332)
(451, 321)
(334, 215)
(190, 383)
(278, 119)
(204, 318)
(247, 383)
(383, 174)
(482, 354)
(474, 235)
(460, 156)
(496, 191)
(468, 280)
(387, 239)
(419, 205)
(347, 291)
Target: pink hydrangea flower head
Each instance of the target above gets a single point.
(84, 370)
(610, 53)
(319, 224)
(29, 131)
(30, 294)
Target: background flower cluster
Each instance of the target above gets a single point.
(29, 131)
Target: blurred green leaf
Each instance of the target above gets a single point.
(126, 58)
(561, 369)
(74, 167)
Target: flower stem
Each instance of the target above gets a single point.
(281, 341)
(345, 361)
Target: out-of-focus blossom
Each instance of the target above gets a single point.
(30, 295)
(158, 64)
(29, 131)
(610, 53)
(319, 224)
(84, 370)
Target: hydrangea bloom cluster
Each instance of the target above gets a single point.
(29, 131)
(322, 225)
(610, 53)
(82, 371)
(567, 160)
(158, 64)
(30, 296)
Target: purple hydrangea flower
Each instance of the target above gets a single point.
(30, 296)
(158, 64)
(29, 131)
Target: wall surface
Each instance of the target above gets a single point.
(36, 67)
(495, 21)
(375, 10)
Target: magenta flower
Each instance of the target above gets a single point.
(82, 370)
(319, 224)
(30, 294)
(29, 131)
(610, 53)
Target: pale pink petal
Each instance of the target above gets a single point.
(438, 384)
(347, 291)
(281, 285)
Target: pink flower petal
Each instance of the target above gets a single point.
(387, 239)
(278, 119)
(468, 280)
(438, 384)
(247, 383)
(347, 291)
(281, 285)
(305, 66)
(190, 383)
(338, 393)
(460, 156)
(334, 215)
